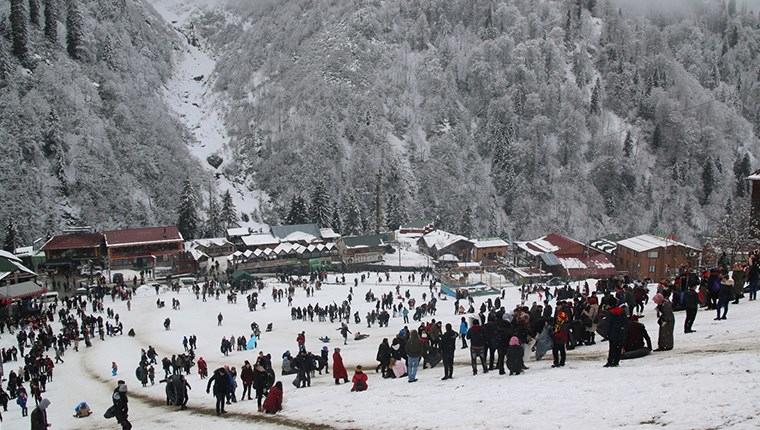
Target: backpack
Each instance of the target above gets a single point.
(110, 412)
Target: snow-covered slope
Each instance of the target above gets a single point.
(189, 94)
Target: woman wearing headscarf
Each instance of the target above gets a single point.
(666, 320)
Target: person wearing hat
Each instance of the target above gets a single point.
(359, 380)
(323, 355)
(121, 405)
(666, 321)
(39, 415)
(616, 333)
(691, 302)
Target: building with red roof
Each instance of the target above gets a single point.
(564, 257)
(66, 252)
(143, 248)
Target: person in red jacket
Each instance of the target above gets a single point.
(202, 368)
(339, 370)
(359, 380)
(273, 402)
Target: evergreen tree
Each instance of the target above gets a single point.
(396, 211)
(214, 222)
(742, 169)
(34, 12)
(708, 180)
(187, 221)
(628, 145)
(74, 32)
(298, 213)
(465, 228)
(18, 29)
(229, 215)
(352, 224)
(595, 107)
(657, 137)
(51, 20)
(319, 207)
(378, 210)
(335, 221)
(10, 243)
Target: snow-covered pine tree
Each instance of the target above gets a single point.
(319, 207)
(628, 145)
(352, 223)
(595, 104)
(18, 29)
(298, 213)
(504, 168)
(51, 20)
(396, 211)
(335, 221)
(465, 227)
(378, 208)
(229, 215)
(74, 31)
(188, 221)
(10, 242)
(34, 12)
(708, 180)
(742, 169)
(657, 137)
(213, 217)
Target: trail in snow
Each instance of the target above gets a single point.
(190, 95)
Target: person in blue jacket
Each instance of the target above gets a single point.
(463, 332)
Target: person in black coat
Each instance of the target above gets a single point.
(302, 363)
(260, 383)
(383, 357)
(39, 415)
(616, 332)
(221, 383)
(448, 342)
(492, 340)
(121, 405)
(691, 303)
(477, 347)
(502, 334)
(515, 353)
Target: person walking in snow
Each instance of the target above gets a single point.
(339, 370)
(219, 319)
(344, 331)
(560, 336)
(221, 382)
(477, 347)
(414, 350)
(121, 405)
(666, 321)
(691, 301)
(463, 332)
(39, 416)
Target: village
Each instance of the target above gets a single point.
(77, 260)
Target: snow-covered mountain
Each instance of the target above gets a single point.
(491, 117)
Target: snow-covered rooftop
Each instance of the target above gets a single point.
(259, 239)
(537, 247)
(490, 243)
(440, 239)
(646, 242)
(213, 241)
(328, 233)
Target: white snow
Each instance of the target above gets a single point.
(490, 243)
(720, 354)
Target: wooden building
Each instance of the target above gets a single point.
(489, 252)
(564, 257)
(653, 257)
(143, 248)
(66, 253)
(363, 249)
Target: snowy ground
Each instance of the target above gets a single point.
(190, 95)
(704, 383)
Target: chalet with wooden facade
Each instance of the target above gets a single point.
(363, 249)
(143, 248)
(652, 257)
(66, 253)
(489, 252)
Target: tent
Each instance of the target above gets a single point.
(20, 291)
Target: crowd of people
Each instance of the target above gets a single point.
(496, 337)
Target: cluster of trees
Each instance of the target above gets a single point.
(87, 138)
(217, 220)
(22, 20)
(567, 115)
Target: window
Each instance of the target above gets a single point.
(652, 269)
(652, 254)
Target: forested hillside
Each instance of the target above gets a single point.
(495, 117)
(86, 137)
